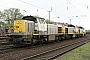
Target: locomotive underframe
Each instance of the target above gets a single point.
(40, 39)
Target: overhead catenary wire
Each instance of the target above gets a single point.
(74, 6)
(45, 9)
(36, 6)
(31, 4)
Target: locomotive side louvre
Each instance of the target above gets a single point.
(52, 29)
(29, 27)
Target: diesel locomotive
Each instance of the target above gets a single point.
(32, 30)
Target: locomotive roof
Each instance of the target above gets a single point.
(70, 25)
(30, 18)
(80, 27)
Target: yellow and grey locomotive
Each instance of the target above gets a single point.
(32, 29)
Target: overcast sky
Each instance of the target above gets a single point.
(65, 9)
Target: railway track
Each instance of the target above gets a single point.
(42, 52)
(6, 48)
(51, 54)
(4, 45)
(3, 41)
(1, 38)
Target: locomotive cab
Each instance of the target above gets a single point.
(25, 29)
(40, 24)
(81, 31)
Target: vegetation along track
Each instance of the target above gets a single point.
(45, 51)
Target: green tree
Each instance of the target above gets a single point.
(10, 15)
(2, 24)
(49, 22)
(1, 14)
